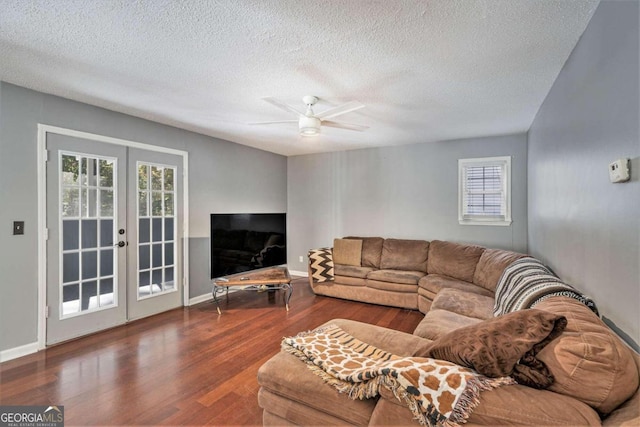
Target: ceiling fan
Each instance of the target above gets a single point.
(309, 122)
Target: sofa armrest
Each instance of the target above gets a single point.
(390, 340)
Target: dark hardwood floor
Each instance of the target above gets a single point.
(188, 366)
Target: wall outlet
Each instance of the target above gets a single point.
(301, 258)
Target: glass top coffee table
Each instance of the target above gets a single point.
(269, 279)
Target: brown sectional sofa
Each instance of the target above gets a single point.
(596, 374)
(410, 273)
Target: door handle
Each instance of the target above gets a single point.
(120, 244)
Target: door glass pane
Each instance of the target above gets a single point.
(106, 232)
(71, 233)
(143, 204)
(156, 251)
(144, 257)
(168, 179)
(88, 192)
(168, 229)
(156, 203)
(106, 292)
(70, 299)
(168, 254)
(156, 178)
(89, 233)
(168, 204)
(70, 267)
(168, 278)
(84, 202)
(89, 265)
(156, 279)
(106, 173)
(89, 295)
(106, 203)
(93, 203)
(143, 230)
(70, 169)
(143, 177)
(106, 262)
(156, 229)
(71, 202)
(157, 255)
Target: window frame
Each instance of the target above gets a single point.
(475, 219)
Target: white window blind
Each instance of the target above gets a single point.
(484, 191)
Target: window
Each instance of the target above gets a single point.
(484, 196)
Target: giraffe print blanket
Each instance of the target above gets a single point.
(439, 393)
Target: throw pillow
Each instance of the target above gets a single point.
(503, 346)
(347, 251)
(321, 265)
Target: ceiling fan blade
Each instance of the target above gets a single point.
(282, 105)
(341, 125)
(340, 109)
(274, 122)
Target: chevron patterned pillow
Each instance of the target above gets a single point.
(321, 264)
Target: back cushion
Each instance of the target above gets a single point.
(398, 254)
(371, 250)
(453, 259)
(347, 252)
(491, 265)
(588, 360)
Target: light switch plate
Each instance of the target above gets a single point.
(18, 227)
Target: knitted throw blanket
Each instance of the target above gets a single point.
(526, 282)
(439, 393)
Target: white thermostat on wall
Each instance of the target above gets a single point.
(619, 170)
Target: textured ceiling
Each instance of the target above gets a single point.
(427, 70)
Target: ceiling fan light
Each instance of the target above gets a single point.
(309, 131)
(309, 126)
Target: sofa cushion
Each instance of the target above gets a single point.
(285, 375)
(453, 259)
(505, 345)
(347, 251)
(371, 250)
(521, 405)
(437, 323)
(283, 411)
(465, 303)
(588, 361)
(396, 276)
(512, 405)
(491, 265)
(435, 283)
(398, 254)
(351, 281)
(351, 270)
(392, 287)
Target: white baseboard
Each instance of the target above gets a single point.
(299, 273)
(200, 298)
(14, 353)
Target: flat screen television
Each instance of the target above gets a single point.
(242, 242)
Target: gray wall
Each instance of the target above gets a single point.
(224, 177)
(403, 192)
(584, 227)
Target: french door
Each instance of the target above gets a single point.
(114, 223)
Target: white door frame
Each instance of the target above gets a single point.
(42, 155)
